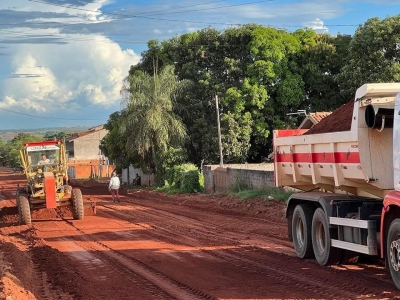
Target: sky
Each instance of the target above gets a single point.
(63, 62)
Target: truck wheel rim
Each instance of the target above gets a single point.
(320, 237)
(395, 254)
(300, 232)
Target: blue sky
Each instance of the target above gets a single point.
(62, 62)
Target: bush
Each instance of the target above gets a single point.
(179, 172)
(184, 178)
(191, 182)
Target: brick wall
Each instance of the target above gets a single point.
(81, 169)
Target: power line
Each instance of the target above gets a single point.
(135, 16)
(209, 8)
(48, 118)
(192, 5)
(138, 16)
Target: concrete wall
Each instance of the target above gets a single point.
(255, 179)
(221, 180)
(208, 172)
(87, 146)
(129, 174)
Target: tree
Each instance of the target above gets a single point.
(374, 55)
(2, 152)
(58, 136)
(150, 123)
(15, 145)
(113, 145)
(320, 59)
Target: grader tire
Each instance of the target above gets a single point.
(18, 194)
(24, 210)
(77, 204)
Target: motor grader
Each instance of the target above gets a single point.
(47, 183)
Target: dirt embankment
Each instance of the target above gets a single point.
(339, 120)
(158, 246)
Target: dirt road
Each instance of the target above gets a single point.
(157, 246)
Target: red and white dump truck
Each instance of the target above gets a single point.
(350, 182)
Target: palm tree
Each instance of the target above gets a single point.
(149, 102)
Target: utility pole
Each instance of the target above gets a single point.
(221, 160)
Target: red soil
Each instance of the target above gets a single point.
(158, 246)
(339, 120)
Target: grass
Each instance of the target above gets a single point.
(274, 192)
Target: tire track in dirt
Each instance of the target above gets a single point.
(131, 268)
(370, 273)
(228, 219)
(35, 279)
(266, 270)
(348, 288)
(229, 230)
(3, 196)
(269, 269)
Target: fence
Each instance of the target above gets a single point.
(88, 169)
(222, 179)
(129, 174)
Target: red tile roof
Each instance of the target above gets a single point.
(313, 118)
(318, 116)
(79, 134)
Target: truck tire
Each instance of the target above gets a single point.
(77, 204)
(24, 210)
(324, 253)
(301, 231)
(393, 251)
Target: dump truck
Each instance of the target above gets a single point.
(347, 184)
(47, 184)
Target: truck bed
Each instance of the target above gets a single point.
(359, 161)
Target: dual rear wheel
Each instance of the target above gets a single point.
(311, 235)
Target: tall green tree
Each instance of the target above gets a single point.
(320, 59)
(374, 55)
(151, 124)
(113, 145)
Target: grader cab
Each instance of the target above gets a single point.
(46, 171)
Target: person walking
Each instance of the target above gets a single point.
(113, 187)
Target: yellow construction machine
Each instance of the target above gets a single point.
(46, 171)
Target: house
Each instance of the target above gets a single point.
(85, 159)
(85, 145)
(313, 118)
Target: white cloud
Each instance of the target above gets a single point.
(90, 11)
(89, 69)
(47, 70)
(317, 25)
